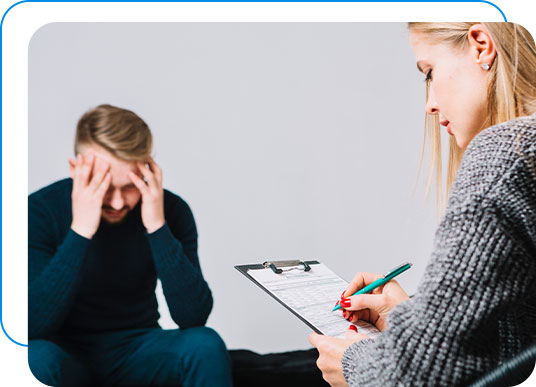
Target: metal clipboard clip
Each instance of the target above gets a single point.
(291, 264)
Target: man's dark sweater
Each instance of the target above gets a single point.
(78, 286)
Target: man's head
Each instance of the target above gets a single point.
(120, 138)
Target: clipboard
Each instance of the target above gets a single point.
(275, 266)
(311, 282)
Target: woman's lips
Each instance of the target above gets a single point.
(446, 123)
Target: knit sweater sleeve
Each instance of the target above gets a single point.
(468, 313)
(54, 270)
(174, 249)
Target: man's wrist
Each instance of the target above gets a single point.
(80, 231)
(157, 226)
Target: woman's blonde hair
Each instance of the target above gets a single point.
(511, 90)
(119, 131)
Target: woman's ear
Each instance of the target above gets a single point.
(481, 41)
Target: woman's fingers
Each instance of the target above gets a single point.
(363, 301)
(353, 334)
(360, 280)
(315, 339)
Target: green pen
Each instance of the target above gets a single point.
(380, 281)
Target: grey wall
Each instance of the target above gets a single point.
(286, 139)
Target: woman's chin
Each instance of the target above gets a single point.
(461, 142)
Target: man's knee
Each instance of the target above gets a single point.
(52, 365)
(207, 361)
(205, 341)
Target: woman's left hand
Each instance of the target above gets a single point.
(331, 350)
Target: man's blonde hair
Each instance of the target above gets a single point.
(511, 90)
(119, 131)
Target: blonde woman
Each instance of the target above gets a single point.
(476, 303)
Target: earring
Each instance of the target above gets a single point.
(485, 66)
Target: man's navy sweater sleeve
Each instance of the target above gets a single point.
(54, 270)
(174, 250)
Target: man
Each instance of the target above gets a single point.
(97, 243)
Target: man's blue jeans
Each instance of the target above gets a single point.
(141, 357)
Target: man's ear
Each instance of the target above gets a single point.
(72, 165)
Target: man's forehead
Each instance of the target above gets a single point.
(118, 168)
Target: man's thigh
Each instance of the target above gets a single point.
(188, 357)
(51, 364)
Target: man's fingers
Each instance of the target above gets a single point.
(139, 183)
(87, 167)
(147, 174)
(98, 175)
(77, 170)
(156, 170)
(104, 185)
(101, 165)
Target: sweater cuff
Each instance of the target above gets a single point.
(161, 237)
(351, 356)
(76, 245)
(164, 246)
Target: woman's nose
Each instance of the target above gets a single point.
(431, 104)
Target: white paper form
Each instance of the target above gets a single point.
(312, 294)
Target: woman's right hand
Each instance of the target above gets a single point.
(373, 307)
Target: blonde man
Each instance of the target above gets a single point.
(97, 244)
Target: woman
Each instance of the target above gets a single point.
(476, 304)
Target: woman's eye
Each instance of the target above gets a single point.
(428, 76)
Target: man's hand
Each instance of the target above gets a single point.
(90, 183)
(152, 194)
(331, 350)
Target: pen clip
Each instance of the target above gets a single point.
(396, 269)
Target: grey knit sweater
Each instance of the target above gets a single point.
(476, 303)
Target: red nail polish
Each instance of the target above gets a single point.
(344, 313)
(337, 303)
(353, 327)
(342, 295)
(346, 302)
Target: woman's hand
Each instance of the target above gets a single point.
(373, 307)
(330, 351)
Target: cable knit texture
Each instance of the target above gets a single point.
(476, 303)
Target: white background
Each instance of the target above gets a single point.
(347, 203)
